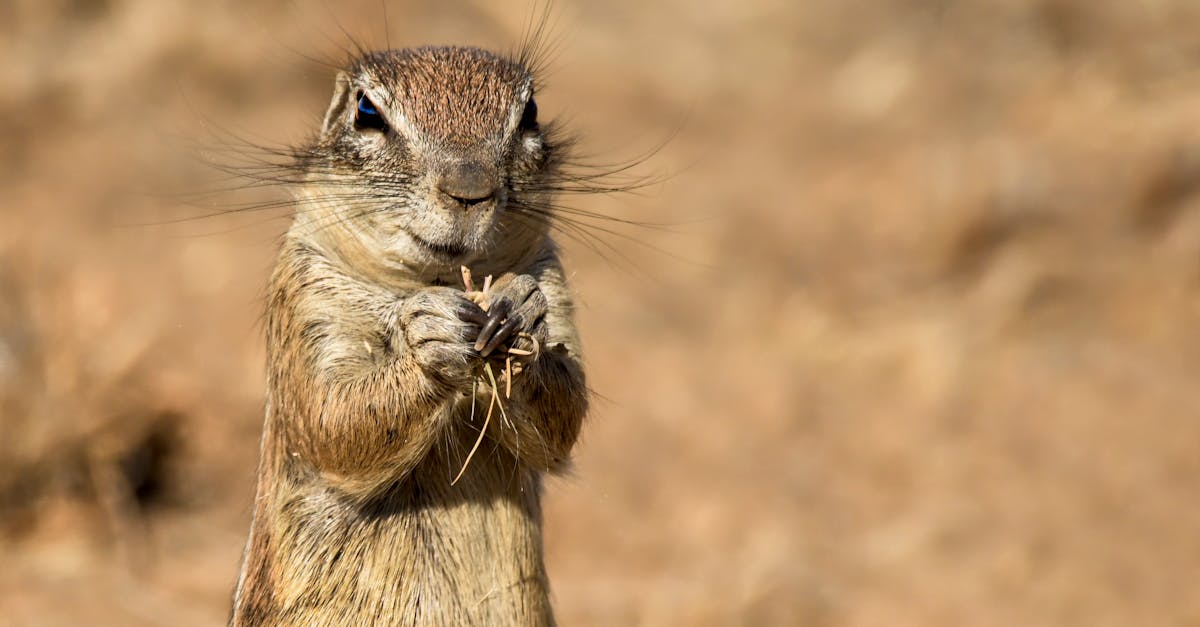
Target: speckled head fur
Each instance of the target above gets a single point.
(438, 155)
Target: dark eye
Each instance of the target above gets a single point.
(529, 116)
(367, 116)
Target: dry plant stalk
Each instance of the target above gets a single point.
(511, 368)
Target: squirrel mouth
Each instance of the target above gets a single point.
(449, 251)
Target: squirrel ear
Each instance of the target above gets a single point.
(337, 106)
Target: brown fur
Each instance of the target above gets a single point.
(370, 367)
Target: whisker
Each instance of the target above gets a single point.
(598, 245)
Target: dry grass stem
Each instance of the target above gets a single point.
(511, 368)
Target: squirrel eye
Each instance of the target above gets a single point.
(367, 116)
(529, 116)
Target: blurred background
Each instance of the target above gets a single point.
(930, 356)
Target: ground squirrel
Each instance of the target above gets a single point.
(428, 159)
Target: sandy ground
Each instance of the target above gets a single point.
(920, 347)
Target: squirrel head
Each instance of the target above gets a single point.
(428, 159)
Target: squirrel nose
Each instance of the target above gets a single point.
(467, 183)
